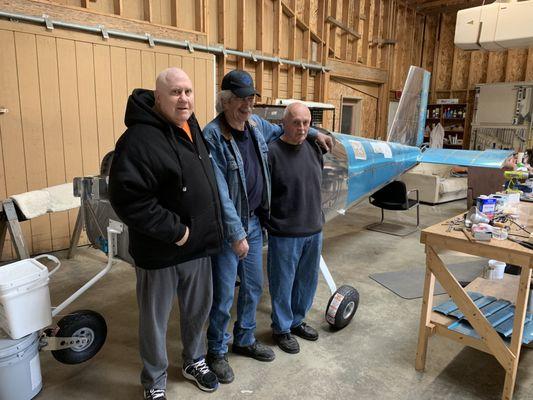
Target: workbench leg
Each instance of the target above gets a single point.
(518, 330)
(425, 318)
(76, 234)
(3, 230)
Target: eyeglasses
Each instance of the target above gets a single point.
(249, 99)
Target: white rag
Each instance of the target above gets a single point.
(39, 202)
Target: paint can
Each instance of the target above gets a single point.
(20, 369)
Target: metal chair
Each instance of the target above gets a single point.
(394, 196)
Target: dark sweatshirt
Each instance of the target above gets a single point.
(159, 183)
(296, 175)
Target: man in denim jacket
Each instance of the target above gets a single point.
(238, 142)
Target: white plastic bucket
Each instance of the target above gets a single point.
(20, 369)
(498, 267)
(24, 298)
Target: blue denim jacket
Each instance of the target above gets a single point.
(229, 170)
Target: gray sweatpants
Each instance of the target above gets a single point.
(192, 283)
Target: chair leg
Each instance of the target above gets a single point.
(417, 215)
(382, 216)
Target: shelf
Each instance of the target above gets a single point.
(452, 145)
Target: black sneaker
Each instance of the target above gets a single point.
(218, 363)
(199, 372)
(155, 394)
(256, 350)
(305, 332)
(286, 342)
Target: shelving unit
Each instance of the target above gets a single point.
(453, 118)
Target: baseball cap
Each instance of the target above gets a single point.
(240, 83)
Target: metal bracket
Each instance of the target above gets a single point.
(103, 29)
(150, 40)
(3, 110)
(253, 57)
(48, 22)
(189, 46)
(279, 61)
(303, 66)
(50, 343)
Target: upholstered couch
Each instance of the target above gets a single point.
(435, 183)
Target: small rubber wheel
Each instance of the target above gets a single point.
(83, 324)
(342, 306)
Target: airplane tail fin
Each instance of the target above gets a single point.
(410, 119)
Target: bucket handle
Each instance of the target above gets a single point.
(51, 258)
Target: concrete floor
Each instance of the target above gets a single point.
(372, 358)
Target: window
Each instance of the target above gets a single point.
(351, 116)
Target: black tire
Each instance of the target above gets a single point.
(83, 323)
(105, 166)
(342, 306)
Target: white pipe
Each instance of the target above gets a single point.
(168, 42)
(96, 278)
(327, 276)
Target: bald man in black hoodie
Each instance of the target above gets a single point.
(162, 185)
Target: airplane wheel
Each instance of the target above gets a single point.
(342, 306)
(83, 324)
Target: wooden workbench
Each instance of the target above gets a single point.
(512, 288)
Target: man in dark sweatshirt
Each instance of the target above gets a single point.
(294, 228)
(162, 185)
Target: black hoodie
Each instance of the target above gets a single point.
(159, 183)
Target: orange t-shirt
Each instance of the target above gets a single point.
(187, 129)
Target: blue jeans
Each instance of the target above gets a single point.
(226, 266)
(293, 264)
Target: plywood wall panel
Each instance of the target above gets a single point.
(70, 119)
(187, 14)
(529, 65)
(13, 167)
(156, 11)
(30, 106)
(461, 66)
(250, 25)
(231, 26)
(430, 42)
(496, 66)
(212, 10)
(174, 61)
(106, 7)
(200, 87)
(285, 36)
(52, 133)
(148, 72)
(87, 108)
(161, 62)
(133, 69)
(133, 9)
(515, 70)
(478, 69)
(119, 89)
(104, 104)
(313, 17)
(298, 47)
(268, 17)
(446, 51)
